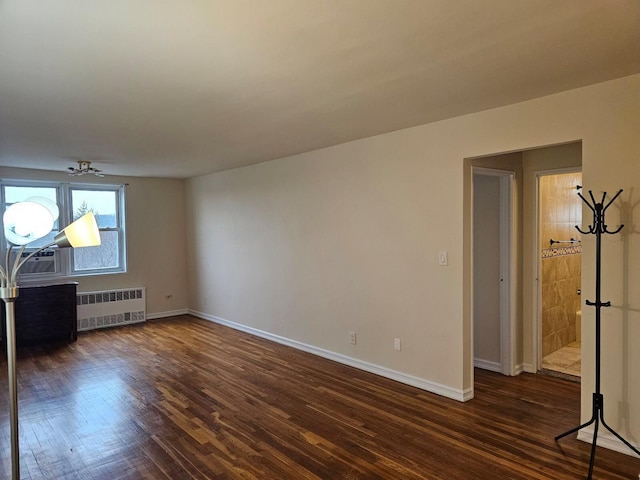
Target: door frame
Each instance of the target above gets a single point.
(507, 267)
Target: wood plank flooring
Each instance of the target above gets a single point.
(183, 398)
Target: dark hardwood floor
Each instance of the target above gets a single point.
(183, 398)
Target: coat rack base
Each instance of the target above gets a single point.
(597, 417)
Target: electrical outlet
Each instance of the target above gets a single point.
(352, 338)
(396, 344)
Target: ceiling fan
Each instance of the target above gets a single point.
(83, 168)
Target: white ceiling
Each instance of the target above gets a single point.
(174, 88)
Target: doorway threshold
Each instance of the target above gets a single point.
(564, 363)
(562, 375)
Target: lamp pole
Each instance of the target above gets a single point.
(9, 295)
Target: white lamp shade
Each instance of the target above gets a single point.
(25, 222)
(50, 204)
(81, 233)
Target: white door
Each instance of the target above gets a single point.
(493, 330)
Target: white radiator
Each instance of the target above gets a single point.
(111, 308)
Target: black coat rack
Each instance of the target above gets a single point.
(598, 228)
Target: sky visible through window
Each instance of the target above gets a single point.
(19, 194)
(103, 203)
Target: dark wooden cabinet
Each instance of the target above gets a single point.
(44, 314)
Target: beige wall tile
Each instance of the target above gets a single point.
(561, 210)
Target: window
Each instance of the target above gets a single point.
(106, 202)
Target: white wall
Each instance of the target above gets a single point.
(156, 247)
(337, 240)
(346, 238)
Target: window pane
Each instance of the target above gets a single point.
(104, 256)
(103, 204)
(20, 194)
(15, 194)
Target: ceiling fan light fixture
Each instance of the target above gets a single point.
(84, 167)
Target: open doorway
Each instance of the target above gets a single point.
(560, 249)
(526, 297)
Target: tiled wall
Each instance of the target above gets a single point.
(560, 212)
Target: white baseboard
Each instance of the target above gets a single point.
(487, 365)
(606, 440)
(432, 387)
(171, 313)
(527, 367)
(495, 366)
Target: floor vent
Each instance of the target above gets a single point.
(110, 308)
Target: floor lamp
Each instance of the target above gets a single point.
(25, 222)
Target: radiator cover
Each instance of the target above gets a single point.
(110, 308)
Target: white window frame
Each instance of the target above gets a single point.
(64, 256)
